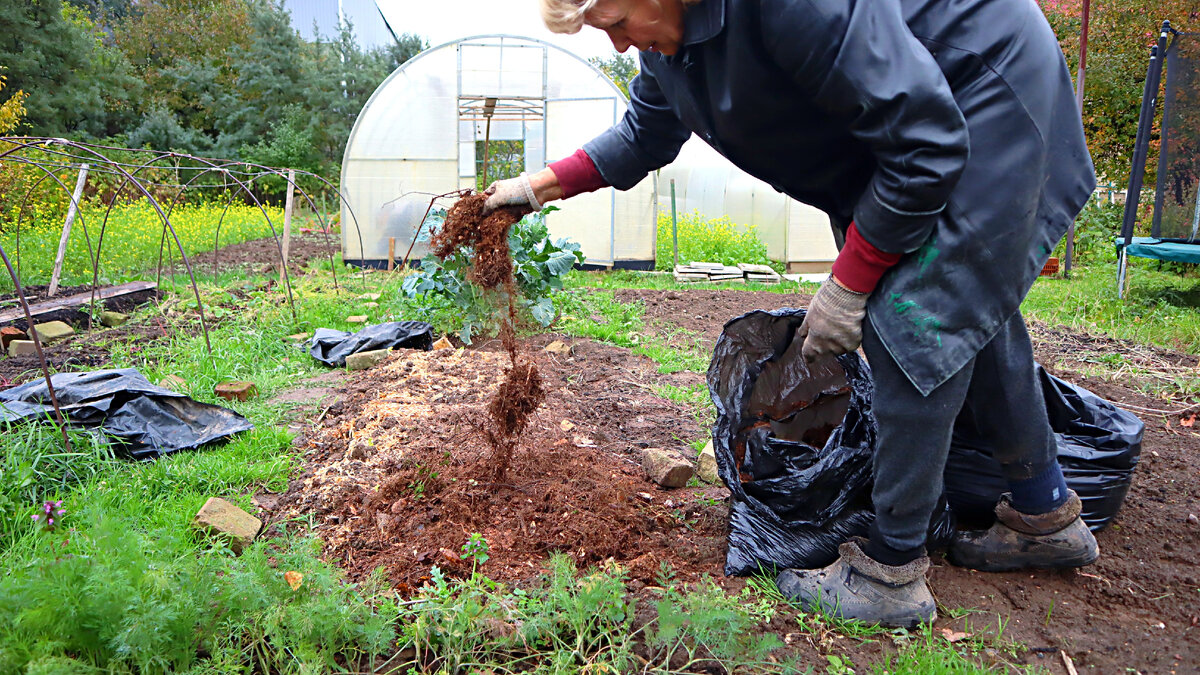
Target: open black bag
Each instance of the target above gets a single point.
(794, 444)
(331, 347)
(146, 420)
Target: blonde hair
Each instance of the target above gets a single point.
(565, 16)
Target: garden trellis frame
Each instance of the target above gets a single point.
(238, 178)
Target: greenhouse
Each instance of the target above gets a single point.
(423, 131)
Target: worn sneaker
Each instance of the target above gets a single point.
(856, 586)
(1017, 540)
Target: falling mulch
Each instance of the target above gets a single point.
(486, 236)
(398, 475)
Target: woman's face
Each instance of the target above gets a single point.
(647, 25)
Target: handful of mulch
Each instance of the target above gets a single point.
(521, 392)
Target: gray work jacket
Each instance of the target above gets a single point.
(947, 130)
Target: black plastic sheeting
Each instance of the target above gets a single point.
(1098, 447)
(146, 420)
(794, 445)
(795, 442)
(331, 347)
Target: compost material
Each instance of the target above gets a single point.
(486, 237)
(146, 420)
(398, 476)
(331, 347)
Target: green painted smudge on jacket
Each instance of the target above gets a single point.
(925, 325)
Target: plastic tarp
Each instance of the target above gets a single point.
(794, 445)
(1098, 447)
(147, 420)
(1159, 249)
(331, 347)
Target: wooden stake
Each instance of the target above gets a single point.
(391, 253)
(287, 220)
(66, 233)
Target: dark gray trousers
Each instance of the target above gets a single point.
(998, 389)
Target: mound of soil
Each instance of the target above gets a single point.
(399, 476)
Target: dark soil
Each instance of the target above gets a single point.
(262, 255)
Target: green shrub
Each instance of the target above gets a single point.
(1097, 225)
(539, 267)
(709, 240)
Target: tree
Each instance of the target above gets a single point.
(12, 110)
(76, 84)
(620, 68)
(1120, 35)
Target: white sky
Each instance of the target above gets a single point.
(440, 21)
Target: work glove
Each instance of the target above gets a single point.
(833, 324)
(516, 192)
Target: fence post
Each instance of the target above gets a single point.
(287, 221)
(674, 225)
(66, 232)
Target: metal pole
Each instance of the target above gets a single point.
(1079, 79)
(674, 225)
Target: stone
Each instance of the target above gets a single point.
(558, 347)
(357, 318)
(236, 390)
(298, 338)
(113, 319)
(22, 348)
(706, 464)
(10, 333)
(372, 297)
(173, 382)
(443, 343)
(666, 468)
(364, 360)
(221, 519)
(370, 305)
(53, 331)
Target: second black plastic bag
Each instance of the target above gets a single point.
(331, 347)
(794, 444)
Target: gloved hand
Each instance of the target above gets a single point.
(833, 324)
(511, 192)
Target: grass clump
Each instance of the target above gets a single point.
(704, 239)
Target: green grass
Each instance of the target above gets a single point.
(1160, 307)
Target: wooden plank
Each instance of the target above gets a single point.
(77, 300)
(66, 231)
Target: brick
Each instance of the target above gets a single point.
(236, 390)
(219, 518)
(298, 338)
(173, 382)
(357, 318)
(10, 333)
(443, 343)
(666, 468)
(53, 331)
(369, 305)
(113, 319)
(22, 348)
(558, 347)
(364, 360)
(706, 465)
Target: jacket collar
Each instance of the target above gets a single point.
(703, 21)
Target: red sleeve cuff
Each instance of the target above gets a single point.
(860, 265)
(577, 174)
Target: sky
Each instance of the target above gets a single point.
(440, 21)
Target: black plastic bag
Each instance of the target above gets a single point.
(1098, 447)
(794, 445)
(331, 347)
(146, 420)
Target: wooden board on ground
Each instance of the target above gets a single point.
(77, 300)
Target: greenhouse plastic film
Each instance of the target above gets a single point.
(146, 420)
(1098, 447)
(794, 445)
